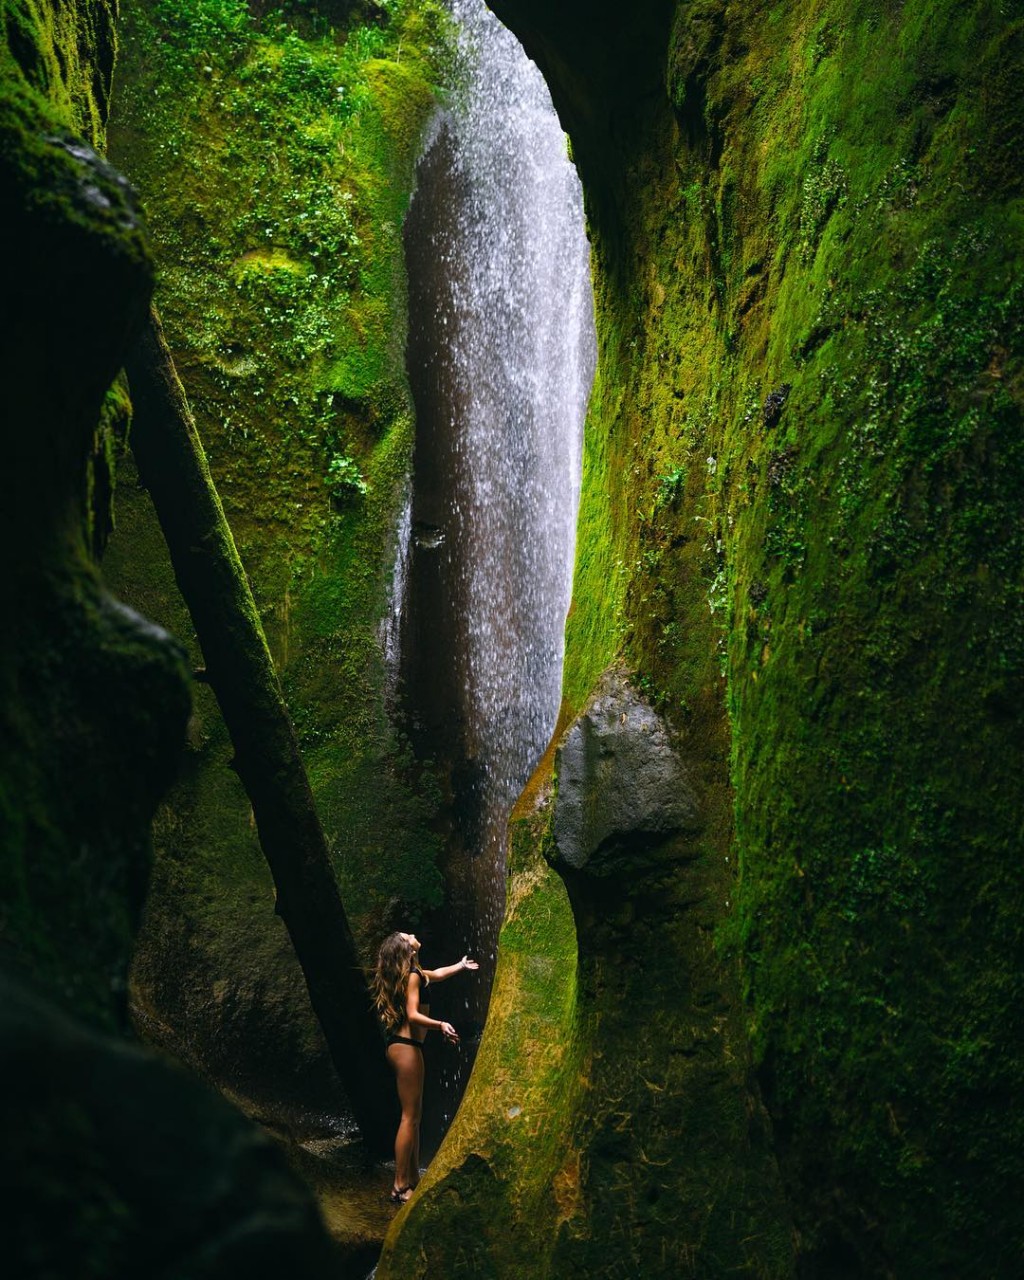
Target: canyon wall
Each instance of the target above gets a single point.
(773, 1027)
(114, 1162)
(275, 153)
(756, 1007)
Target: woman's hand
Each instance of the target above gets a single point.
(450, 970)
(449, 1033)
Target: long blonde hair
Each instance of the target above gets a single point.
(391, 979)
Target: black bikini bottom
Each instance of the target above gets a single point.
(416, 1044)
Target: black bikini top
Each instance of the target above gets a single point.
(423, 977)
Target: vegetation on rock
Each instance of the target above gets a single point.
(801, 529)
(86, 686)
(113, 1162)
(274, 153)
(240, 671)
(800, 534)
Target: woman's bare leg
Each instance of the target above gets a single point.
(408, 1066)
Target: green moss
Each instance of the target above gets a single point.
(595, 625)
(275, 157)
(93, 699)
(283, 159)
(849, 547)
(800, 527)
(63, 55)
(110, 436)
(509, 1163)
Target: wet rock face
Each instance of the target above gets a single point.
(610, 1127)
(832, 610)
(214, 973)
(594, 53)
(621, 785)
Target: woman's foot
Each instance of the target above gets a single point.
(399, 1195)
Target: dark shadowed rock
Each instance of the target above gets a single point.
(118, 1164)
(114, 1164)
(620, 782)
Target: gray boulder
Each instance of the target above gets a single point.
(621, 785)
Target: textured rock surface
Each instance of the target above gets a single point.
(800, 528)
(275, 158)
(93, 699)
(112, 1164)
(621, 786)
(610, 1126)
(117, 1164)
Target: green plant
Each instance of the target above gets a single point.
(671, 486)
(344, 478)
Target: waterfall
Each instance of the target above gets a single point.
(501, 356)
(389, 630)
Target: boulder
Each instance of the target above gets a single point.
(621, 784)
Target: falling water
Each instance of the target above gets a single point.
(389, 630)
(501, 356)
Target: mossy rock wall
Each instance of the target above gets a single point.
(275, 155)
(112, 1162)
(94, 699)
(801, 533)
(610, 1126)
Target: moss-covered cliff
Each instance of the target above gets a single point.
(801, 531)
(756, 1009)
(113, 1163)
(88, 688)
(275, 158)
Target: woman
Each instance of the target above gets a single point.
(399, 988)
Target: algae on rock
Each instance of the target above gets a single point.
(800, 529)
(275, 157)
(101, 1142)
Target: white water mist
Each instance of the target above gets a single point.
(504, 361)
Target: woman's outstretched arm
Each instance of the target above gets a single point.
(439, 975)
